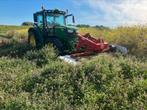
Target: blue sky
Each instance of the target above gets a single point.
(92, 12)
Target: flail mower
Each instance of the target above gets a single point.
(50, 26)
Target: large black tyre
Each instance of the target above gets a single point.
(57, 44)
(34, 38)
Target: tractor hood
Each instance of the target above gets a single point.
(71, 29)
(68, 29)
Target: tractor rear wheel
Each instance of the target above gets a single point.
(34, 39)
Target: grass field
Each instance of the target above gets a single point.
(5, 28)
(37, 80)
(134, 38)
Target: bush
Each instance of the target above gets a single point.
(83, 25)
(27, 24)
(42, 56)
(101, 27)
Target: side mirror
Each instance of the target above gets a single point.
(73, 19)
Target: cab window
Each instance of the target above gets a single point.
(40, 19)
(55, 20)
(50, 20)
(59, 20)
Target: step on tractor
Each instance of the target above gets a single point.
(50, 26)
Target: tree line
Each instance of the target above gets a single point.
(78, 25)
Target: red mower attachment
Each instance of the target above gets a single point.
(88, 45)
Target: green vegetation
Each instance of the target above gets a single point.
(27, 24)
(37, 80)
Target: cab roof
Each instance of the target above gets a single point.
(55, 11)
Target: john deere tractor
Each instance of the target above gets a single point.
(50, 26)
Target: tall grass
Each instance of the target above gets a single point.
(32, 79)
(38, 80)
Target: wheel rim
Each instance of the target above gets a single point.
(32, 41)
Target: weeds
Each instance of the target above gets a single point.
(32, 79)
(105, 82)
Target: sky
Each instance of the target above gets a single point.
(93, 12)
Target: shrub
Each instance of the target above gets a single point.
(41, 56)
(27, 24)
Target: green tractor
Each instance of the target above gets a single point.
(50, 26)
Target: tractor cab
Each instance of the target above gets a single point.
(51, 18)
(50, 26)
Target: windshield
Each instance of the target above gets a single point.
(55, 20)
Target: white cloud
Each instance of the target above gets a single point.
(120, 12)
